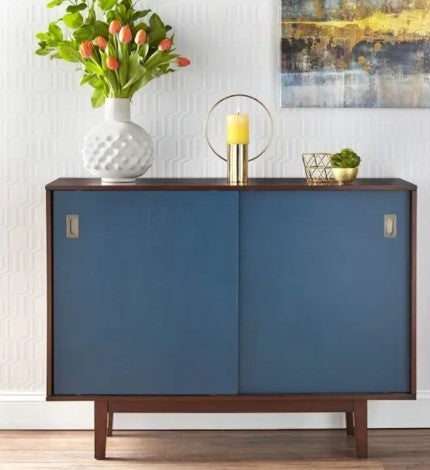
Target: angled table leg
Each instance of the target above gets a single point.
(100, 428)
(349, 423)
(360, 418)
(110, 424)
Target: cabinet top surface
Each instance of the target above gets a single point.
(195, 184)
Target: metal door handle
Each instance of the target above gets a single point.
(72, 226)
(390, 226)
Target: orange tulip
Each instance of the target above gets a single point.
(125, 35)
(165, 45)
(183, 61)
(115, 27)
(101, 42)
(112, 63)
(86, 49)
(140, 37)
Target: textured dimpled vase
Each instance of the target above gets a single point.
(118, 150)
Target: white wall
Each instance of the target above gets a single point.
(44, 115)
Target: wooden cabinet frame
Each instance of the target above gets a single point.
(354, 406)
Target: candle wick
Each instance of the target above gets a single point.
(238, 111)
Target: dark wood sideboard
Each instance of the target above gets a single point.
(193, 296)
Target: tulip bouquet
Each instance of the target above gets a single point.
(120, 51)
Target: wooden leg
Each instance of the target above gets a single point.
(360, 418)
(100, 428)
(110, 424)
(349, 423)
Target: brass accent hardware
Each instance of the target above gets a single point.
(390, 226)
(237, 163)
(345, 175)
(72, 226)
(318, 168)
(237, 168)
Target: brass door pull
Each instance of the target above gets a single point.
(390, 226)
(72, 226)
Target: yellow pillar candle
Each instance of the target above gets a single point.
(238, 129)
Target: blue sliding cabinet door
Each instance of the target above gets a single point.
(145, 300)
(324, 296)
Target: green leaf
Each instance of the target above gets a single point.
(85, 79)
(143, 51)
(55, 3)
(98, 99)
(91, 17)
(133, 65)
(155, 23)
(67, 52)
(159, 58)
(42, 52)
(47, 39)
(97, 82)
(75, 8)
(107, 4)
(110, 16)
(127, 3)
(346, 158)
(135, 71)
(135, 79)
(121, 11)
(92, 67)
(73, 20)
(137, 26)
(111, 50)
(84, 33)
(147, 77)
(140, 14)
(55, 32)
(43, 36)
(163, 69)
(154, 58)
(113, 81)
(124, 59)
(103, 60)
(101, 29)
(158, 30)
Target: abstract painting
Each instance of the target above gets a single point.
(356, 53)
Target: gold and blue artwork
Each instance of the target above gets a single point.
(355, 53)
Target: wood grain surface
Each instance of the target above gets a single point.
(222, 450)
(202, 184)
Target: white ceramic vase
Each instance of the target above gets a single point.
(118, 150)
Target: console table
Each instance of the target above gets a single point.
(190, 295)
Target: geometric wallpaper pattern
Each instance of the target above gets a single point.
(234, 49)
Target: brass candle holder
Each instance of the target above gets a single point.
(238, 154)
(237, 163)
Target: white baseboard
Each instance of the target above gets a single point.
(31, 411)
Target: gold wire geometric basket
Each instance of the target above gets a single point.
(318, 168)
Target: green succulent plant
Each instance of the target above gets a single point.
(346, 158)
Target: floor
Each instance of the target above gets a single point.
(221, 450)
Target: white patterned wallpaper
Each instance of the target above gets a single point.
(233, 45)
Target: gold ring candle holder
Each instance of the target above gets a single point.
(238, 141)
